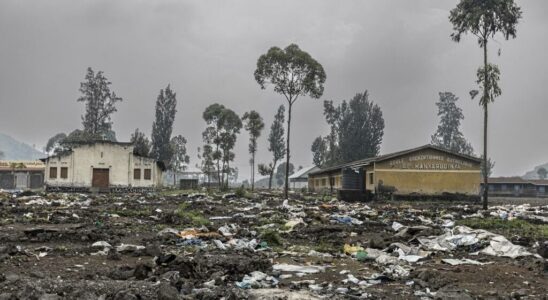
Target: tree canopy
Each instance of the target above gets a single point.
(293, 73)
(141, 144)
(100, 103)
(448, 134)
(253, 123)
(357, 129)
(162, 126)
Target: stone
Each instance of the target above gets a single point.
(167, 292)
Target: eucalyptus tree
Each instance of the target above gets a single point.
(484, 19)
(293, 73)
(275, 145)
(223, 125)
(254, 125)
(179, 159)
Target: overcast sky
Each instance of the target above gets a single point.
(400, 51)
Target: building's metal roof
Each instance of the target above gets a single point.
(516, 180)
(303, 173)
(367, 161)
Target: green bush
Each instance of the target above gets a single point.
(194, 217)
(240, 192)
(271, 237)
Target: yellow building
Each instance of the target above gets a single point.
(425, 170)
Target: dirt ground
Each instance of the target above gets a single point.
(257, 246)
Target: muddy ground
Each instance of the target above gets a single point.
(258, 246)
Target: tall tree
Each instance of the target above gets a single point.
(448, 134)
(54, 144)
(141, 144)
(542, 173)
(100, 103)
(207, 162)
(319, 151)
(253, 123)
(361, 128)
(275, 145)
(484, 19)
(179, 159)
(162, 127)
(357, 129)
(223, 125)
(293, 73)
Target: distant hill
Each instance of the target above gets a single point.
(15, 150)
(533, 174)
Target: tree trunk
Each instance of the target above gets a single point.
(286, 189)
(270, 179)
(485, 114)
(252, 171)
(227, 174)
(174, 179)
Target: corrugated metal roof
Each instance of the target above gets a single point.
(517, 180)
(367, 161)
(304, 171)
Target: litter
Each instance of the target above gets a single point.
(464, 261)
(298, 269)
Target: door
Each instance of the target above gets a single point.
(100, 178)
(21, 181)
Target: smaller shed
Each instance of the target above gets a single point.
(517, 187)
(299, 179)
(21, 175)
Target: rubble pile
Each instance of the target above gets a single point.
(212, 245)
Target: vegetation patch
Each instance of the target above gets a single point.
(191, 216)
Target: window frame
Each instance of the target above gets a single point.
(137, 174)
(147, 174)
(52, 172)
(65, 171)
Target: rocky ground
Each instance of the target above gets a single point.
(257, 246)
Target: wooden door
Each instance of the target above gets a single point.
(100, 178)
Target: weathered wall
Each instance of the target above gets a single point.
(319, 182)
(429, 172)
(119, 159)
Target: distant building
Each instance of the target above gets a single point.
(172, 178)
(517, 187)
(102, 166)
(299, 179)
(21, 175)
(424, 171)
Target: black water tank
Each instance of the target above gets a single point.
(350, 179)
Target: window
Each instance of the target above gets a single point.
(136, 173)
(317, 182)
(64, 172)
(324, 182)
(53, 172)
(148, 174)
(371, 179)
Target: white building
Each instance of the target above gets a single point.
(299, 179)
(102, 166)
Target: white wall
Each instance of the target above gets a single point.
(119, 159)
